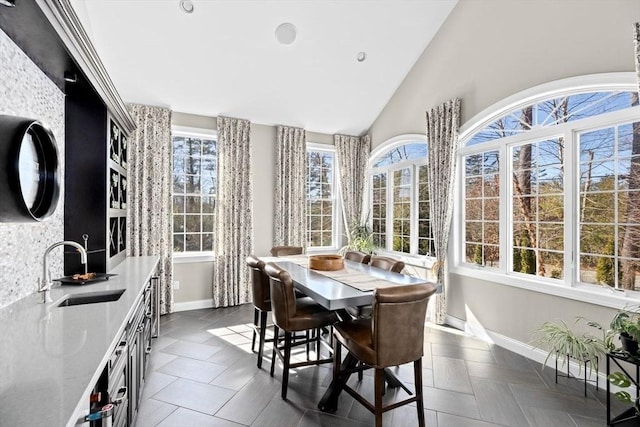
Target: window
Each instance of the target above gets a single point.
(399, 194)
(553, 180)
(194, 190)
(322, 231)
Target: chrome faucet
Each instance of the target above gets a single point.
(46, 283)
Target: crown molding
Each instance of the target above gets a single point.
(67, 25)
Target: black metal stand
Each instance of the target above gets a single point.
(584, 365)
(630, 416)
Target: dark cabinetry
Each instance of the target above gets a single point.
(116, 396)
(139, 334)
(95, 183)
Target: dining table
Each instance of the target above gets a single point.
(351, 286)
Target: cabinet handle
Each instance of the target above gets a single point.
(121, 396)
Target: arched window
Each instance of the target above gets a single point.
(399, 196)
(554, 176)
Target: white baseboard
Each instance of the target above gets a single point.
(528, 351)
(192, 305)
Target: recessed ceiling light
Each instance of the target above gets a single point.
(361, 56)
(8, 3)
(186, 6)
(286, 33)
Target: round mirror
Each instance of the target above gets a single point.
(29, 180)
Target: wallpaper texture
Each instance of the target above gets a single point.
(26, 91)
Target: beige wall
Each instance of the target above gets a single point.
(486, 51)
(195, 278)
(490, 49)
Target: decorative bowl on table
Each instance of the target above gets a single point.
(326, 262)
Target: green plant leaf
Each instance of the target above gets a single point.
(623, 396)
(619, 379)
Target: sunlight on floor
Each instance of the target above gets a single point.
(475, 328)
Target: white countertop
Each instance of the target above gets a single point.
(51, 357)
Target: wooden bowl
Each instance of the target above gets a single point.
(326, 262)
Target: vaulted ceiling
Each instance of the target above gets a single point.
(224, 59)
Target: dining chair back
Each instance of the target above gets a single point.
(394, 335)
(286, 250)
(357, 256)
(261, 303)
(291, 315)
(387, 263)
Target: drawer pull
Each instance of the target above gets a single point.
(121, 396)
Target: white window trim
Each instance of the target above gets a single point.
(570, 289)
(391, 143)
(336, 219)
(191, 257)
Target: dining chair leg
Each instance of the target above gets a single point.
(255, 325)
(360, 376)
(308, 344)
(285, 369)
(275, 345)
(417, 374)
(337, 361)
(263, 331)
(379, 386)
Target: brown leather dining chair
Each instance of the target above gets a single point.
(261, 302)
(387, 263)
(357, 256)
(286, 250)
(394, 335)
(384, 263)
(291, 315)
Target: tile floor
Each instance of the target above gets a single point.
(203, 373)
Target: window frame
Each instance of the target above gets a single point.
(336, 216)
(569, 287)
(414, 165)
(200, 256)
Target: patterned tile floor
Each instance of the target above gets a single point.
(203, 373)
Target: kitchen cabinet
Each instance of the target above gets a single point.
(95, 184)
(123, 378)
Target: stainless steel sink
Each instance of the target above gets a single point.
(91, 297)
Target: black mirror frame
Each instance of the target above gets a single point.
(12, 203)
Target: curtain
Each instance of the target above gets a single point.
(149, 224)
(352, 153)
(233, 237)
(636, 43)
(290, 193)
(442, 140)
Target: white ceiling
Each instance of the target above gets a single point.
(224, 58)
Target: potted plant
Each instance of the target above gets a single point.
(360, 238)
(560, 340)
(626, 323)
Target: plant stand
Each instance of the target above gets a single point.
(584, 361)
(629, 417)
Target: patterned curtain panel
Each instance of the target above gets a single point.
(352, 153)
(291, 194)
(233, 237)
(149, 225)
(442, 139)
(636, 43)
